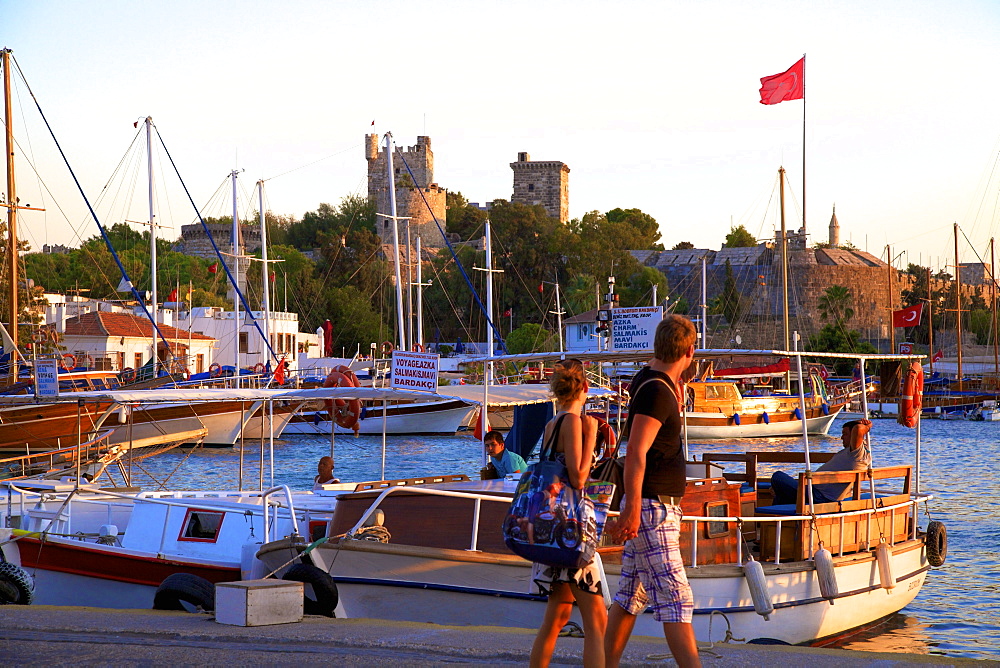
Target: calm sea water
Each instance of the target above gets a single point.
(956, 614)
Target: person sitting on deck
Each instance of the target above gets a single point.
(854, 457)
(325, 477)
(506, 462)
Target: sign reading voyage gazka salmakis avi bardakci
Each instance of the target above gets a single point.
(414, 371)
(633, 328)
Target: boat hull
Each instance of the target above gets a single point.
(412, 584)
(431, 418)
(708, 426)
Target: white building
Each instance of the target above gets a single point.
(581, 333)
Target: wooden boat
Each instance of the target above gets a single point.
(444, 561)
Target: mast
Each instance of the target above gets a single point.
(11, 210)
(784, 262)
(152, 238)
(420, 297)
(391, 182)
(265, 269)
(993, 309)
(488, 375)
(409, 286)
(558, 314)
(892, 328)
(930, 320)
(958, 309)
(236, 281)
(803, 148)
(704, 302)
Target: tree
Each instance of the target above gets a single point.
(683, 245)
(836, 303)
(730, 299)
(462, 218)
(739, 237)
(531, 338)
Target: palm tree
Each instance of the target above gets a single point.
(836, 303)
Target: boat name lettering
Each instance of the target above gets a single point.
(417, 364)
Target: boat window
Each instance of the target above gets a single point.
(716, 529)
(201, 525)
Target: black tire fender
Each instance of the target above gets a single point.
(16, 586)
(936, 543)
(180, 588)
(324, 590)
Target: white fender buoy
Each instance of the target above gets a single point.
(883, 554)
(251, 568)
(757, 584)
(823, 561)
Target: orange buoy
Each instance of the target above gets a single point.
(912, 396)
(345, 412)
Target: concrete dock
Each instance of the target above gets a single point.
(52, 636)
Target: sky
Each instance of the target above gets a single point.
(652, 105)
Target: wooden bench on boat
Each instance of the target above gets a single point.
(840, 534)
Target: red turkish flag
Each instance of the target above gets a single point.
(908, 317)
(213, 269)
(938, 356)
(173, 295)
(279, 373)
(789, 85)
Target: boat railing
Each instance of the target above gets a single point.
(266, 502)
(779, 522)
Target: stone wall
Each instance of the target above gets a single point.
(195, 242)
(542, 182)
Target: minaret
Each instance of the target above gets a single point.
(834, 229)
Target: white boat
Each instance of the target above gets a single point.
(458, 571)
(416, 417)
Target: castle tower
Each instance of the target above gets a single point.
(834, 229)
(411, 191)
(542, 182)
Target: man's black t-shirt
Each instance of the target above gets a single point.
(666, 472)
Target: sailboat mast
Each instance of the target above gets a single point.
(993, 309)
(784, 261)
(892, 328)
(420, 297)
(958, 309)
(11, 209)
(152, 238)
(236, 281)
(488, 375)
(930, 320)
(391, 183)
(265, 269)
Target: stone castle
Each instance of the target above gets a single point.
(542, 182)
(411, 192)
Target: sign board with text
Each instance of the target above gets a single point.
(47, 378)
(632, 329)
(905, 348)
(415, 371)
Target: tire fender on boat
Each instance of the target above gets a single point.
(936, 543)
(324, 590)
(16, 586)
(180, 588)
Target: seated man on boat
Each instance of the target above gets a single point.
(506, 462)
(854, 457)
(325, 470)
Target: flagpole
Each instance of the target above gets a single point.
(804, 243)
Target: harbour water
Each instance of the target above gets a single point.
(956, 614)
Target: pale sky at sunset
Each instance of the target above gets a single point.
(652, 105)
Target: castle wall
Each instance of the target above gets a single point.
(195, 242)
(420, 159)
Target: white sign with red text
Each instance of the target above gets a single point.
(414, 371)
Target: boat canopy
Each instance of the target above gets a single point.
(779, 368)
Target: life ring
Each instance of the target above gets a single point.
(258, 367)
(418, 348)
(605, 432)
(345, 412)
(387, 348)
(346, 370)
(39, 336)
(214, 369)
(936, 543)
(323, 586)
(69, 361)
(127, 374)
(912, 396)
(18, 587)
(180, 588)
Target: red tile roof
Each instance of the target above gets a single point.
(102, 323)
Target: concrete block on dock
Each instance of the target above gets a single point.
(258, 602)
